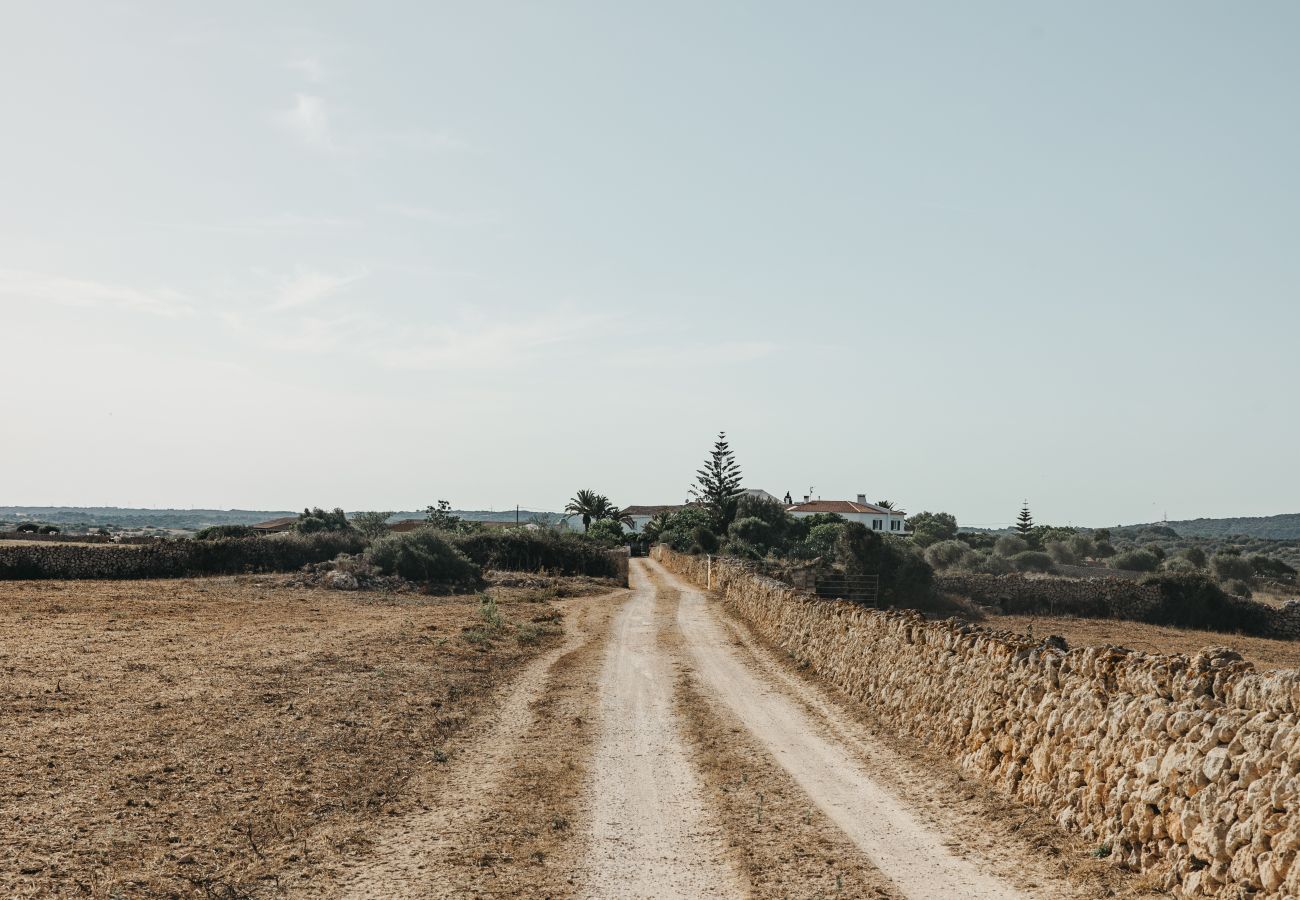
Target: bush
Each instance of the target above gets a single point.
(1009, 545)
(315, 520)
(754, 532)
(525, 550)
(176, 559)
(703, 540)
(947, 554)
(905, 577)
(930, 528)
(1062, 552)
(987, 564)
(423, 555)
(1194, 601)
(1033, 561)
(1135, 561)
(605, 532)
(28, 528)
(372, 524)
(822, 538)
(1230, 566)
(1237, 587)
(1195, 556)
(216, 532)
(49, 529)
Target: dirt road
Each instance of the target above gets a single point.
(689, 760)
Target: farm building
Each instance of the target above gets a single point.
(877, 518)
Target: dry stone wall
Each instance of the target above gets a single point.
(1188, 767)
(1108, 598)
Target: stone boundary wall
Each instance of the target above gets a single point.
(1105, 598)
(1185, 767)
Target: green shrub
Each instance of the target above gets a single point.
(372, 524)
(216, 532)
(1135, 561)
(606, 532)
(1193, 600)
(176, 559)
(315, 520)
(822, 538)
(1033, 561)
(905, 577)
(1062, 552)
(1231, 566)
(527, 550)
(947, 554)
(1009, 545)
(1195, 556)
(755, 532)
(423, 555)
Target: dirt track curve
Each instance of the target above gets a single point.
(630, 809)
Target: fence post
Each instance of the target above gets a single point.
(708, 575)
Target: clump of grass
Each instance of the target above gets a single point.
(1102, 851)
(478, 637)
(488, 611)
(528, 634)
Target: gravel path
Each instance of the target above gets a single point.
(650, 833)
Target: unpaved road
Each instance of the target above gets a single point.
(629, 809)
(650, 834)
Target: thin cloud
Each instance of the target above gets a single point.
(22, 286)
(698, 355)
(447, 218)
(483, 344)
(280, 222)
(309, 67)
(309, 121)
(309, 286)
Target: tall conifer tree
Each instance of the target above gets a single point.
(717, 485)
(1025, 522)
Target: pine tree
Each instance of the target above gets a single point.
(1025, 523)
(717, 485)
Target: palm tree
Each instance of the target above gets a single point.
(620, 517)
(589, 505)
(655, 526)
(885, 504)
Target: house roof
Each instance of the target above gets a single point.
(651, 510)
(275, 523)
(842, 507)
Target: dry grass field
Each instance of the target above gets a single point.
(230, 737)
(1263, 652)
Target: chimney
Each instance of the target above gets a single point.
(862, 499)
(807, 497)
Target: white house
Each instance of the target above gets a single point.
(877, 518)
(639, 515)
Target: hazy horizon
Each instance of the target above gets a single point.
(956, 256)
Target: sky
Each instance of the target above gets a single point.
(373, 255)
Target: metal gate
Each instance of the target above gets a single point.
(862, 588)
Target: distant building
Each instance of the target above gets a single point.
(877, 518)
(275, 526)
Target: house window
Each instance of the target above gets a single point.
(893, 524)
(875, 524)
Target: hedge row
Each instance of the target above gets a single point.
(532, 551)
(176, 559)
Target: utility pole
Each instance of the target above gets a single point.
(516, 513)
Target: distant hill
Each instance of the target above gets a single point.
(1285, 527)
(194, 519)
